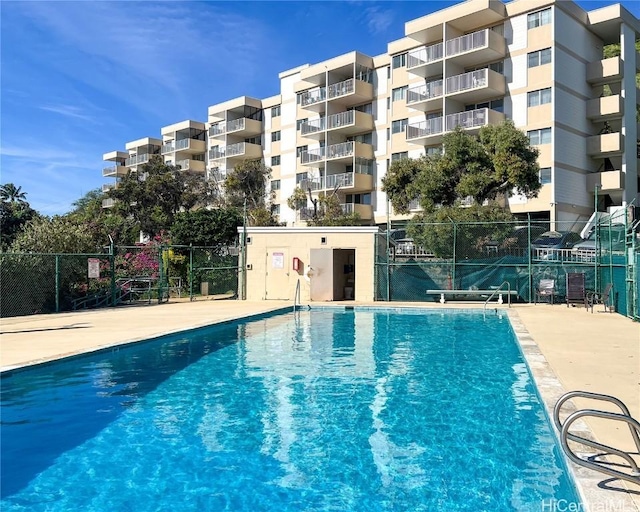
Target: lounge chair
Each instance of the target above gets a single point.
(546, 289)
(594, 298)
(575, 288)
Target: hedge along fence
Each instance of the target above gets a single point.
(33, 283)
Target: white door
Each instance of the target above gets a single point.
(277, 275)
(322, 274)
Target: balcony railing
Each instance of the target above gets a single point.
(108, 186)
(341, 88)
(425, 128)
(183, 164)
(469, 119)
(467, 42)
(467, 81)
(313, 126)
(340, 119)
(311, 184)
(110, 171)
(344, 179)
(313, 96)
(108, 203)
(137, 160)
(228, 151)
(424, 55)
(218, 175)
(230, 126)
(183, 144)
(168, 148)
(425, 92)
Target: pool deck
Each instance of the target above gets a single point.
(597, 352)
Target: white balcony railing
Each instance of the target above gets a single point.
(340, 119)
(226, 127)
(347, 208)
(344, 179)
(110, 171)
(168, 148)
(425, 92)
(467, 42)
(424, 55)
(313, 96)
(342, 150)
(469, 119)
(218, 175)
(183, 144)
(313, 126)
(467, 81)
(137, 160)
(108, 203)
(341, 88)
(425, 128)
(108, 186)
(228, 151)
(183, 164)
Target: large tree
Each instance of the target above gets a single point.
(218, 227)
(154, 194)
(13, 218)
(12, 194)
(56, 235)
(325, 209)
(247, 182)
(494, 164)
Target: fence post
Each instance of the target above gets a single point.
(191, 271)
(529, 266)
(453, 273)
(57, 283)
(160, 271)
(112, 265)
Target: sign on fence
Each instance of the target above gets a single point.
(94, 268)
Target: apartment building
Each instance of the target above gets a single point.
(337, 125)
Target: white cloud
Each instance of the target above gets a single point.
(378, 19)
(69, 111)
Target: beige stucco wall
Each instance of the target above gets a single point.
(298, 242)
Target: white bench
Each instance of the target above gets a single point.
(500, 293)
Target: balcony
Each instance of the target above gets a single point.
(605, 108)
(218, 175)
(426, 61)
(609, 181)
(137, 160)
(364, 211)
(191, 165)
(313, 128)
(343, 152)
(426, 96)
(114, 170)
(314, 99)
(476, 86)
(348, 181)
(604, 71)
(242, 127)
(350, 92)
(351, 122)
(426, 132)
(481, 46)
(108, 203)
(471, 120)
(108, 186)
(240, 150)
(606, 145)
(184, 145)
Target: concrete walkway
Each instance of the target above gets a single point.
(597, 352)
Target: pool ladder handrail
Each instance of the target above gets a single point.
(296, 296)
(498, 289)
(625, 417)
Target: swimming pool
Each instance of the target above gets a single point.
(328, 409)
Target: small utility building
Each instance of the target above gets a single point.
(330, 263)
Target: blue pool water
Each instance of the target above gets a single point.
(321, 410)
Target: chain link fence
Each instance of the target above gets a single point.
(49, 283)
(414, 258)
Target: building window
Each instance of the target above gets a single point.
(399, 125)
(545, 175)
(275, 160)
(300, 150)
(537, 19)
(539, 97)
(433, 150)
(399, 156)
(275, 209)
(300, 122)
(497, 105)
(275, 111)
(275, 184)
(300, 177)
(539, 58)
(367, 108)
(275, 136)
(399, 61)
(254, 140)
(537, 137)
(399, 94)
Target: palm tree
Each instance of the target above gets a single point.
(12, 194)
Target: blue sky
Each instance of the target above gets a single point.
(79, 79)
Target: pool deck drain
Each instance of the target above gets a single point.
(566, 349)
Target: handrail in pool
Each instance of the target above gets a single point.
(601, 466)
(296, 297)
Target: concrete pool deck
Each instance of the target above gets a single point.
(597, 352)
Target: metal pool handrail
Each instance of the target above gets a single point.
(498, 289)
(296, 296)
(625, 417)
